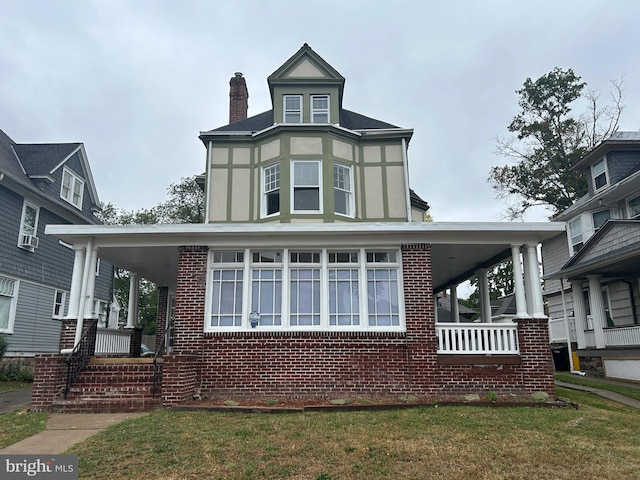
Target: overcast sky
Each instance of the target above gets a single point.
(136, 81)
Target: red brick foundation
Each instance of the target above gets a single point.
(50, 373)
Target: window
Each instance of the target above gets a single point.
(8, 294)
(599, 173)
(599, 218)
(271, 190)
(382, 289)
(299, 289)
(100, 311)
(575, 234)
(320, 108)
(72, 189)
(292, 108)
(29, 227)
(634, 207)
(59, 300)
(226, 282)
(342, 190)
(306, 186)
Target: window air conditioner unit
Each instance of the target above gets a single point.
(29, 241)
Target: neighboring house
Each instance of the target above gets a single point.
(314, 274)
(592, 272)
(42, 184)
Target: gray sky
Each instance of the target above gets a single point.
(136, 81)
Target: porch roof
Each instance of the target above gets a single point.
(458, 249)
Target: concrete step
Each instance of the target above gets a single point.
(106, 406)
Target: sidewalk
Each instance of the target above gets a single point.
(65, 430)
(13, 400)
(616, 397)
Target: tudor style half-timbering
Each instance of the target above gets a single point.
(314, 274)
(593, 270)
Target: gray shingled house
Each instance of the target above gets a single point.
(42, 184)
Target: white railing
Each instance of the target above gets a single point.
(589, 338)
(558, 331)
(477, 338)
(112, 342)
(622, 336)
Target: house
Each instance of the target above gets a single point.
(43, 184)
(313, 275)
(592, 272)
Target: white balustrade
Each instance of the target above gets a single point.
(558, 332)
(622, 336)
(112, 342)
(477, 339)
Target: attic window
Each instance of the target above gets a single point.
(72, 189)
(575, 232)
(292, 108)
(599, 172)
(320, 108)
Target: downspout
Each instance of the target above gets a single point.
(567, 331)
(405, 164)
(83, 291)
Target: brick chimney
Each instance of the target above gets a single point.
(238, 98)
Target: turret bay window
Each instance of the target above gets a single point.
(301, 289)
(306, 186)
(292, 108)
(320, 108)
(343, 189)
(271, 190)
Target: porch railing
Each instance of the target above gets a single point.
(477, 338)
(112, 342)
(558, 331)
(622, 336)
(79, 357)
(613, 336)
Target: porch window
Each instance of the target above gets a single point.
(634, 207)
(271, 190)
(320, 108)
(29, 227)
(575, 233)
(72, 189)
(306, 186)
(599, 174)
(292, 108)
(8, 294)
(342, 189)
(300, 289)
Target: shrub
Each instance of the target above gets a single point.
(16, 370)
(3, 346)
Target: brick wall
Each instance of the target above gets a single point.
(190, 299)
(49, 380)
(180, 378)
(68, 332)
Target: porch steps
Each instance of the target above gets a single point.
(112, 385)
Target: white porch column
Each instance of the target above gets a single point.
(597, 309)
(518, 283)
(455, 311)
(534, 278)
(86, 271)
(91, 284)
(76, 282)
(485, 299)
(132, 312)
(579, 312)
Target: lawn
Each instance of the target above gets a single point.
(598, 440)
(11, 386)
(19, 424)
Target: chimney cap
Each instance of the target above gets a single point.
(238, 74)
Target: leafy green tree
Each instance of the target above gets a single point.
(548, 138)
(500, 284)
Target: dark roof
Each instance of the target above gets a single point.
(8, 161)
(42, 158)
(348, 119)
(416, 201)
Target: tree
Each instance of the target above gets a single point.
(500, 279)
(548, 139)
(184, 205)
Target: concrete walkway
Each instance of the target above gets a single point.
(65, 430)
(10, 401)
(616, 397)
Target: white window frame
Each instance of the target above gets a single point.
(320, 111)
(297, 111)
(221, 261)
(571, 236)
(101, 312)
(630, 214)
(9, 289)
(59, 306)
(605, 172)
(27, 232)
(295, 185)
(593, 218)
(341, 188)
(269, 187)
(359, 315)
(76, 183)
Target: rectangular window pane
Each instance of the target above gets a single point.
(306, 186)
(382, 291)
(226, 308)
(634, 207)
(266, 296)
(271, 182)
(342, 192)
(599, 174)
(599, 218)
(306, 174)
(292, 109)
(344, 303)
(305, 297)
(320, 109)
(6, 299)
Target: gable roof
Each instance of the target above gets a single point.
(43, 158)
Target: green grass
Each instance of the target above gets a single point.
(598, 440)
(10, 386)
(590, 382)
(20, 424)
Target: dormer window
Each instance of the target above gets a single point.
(292, 109)
(575, 233)
(72, 188)
(599, 173)
(320, 108)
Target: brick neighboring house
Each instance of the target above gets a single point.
(313, 274)
(42, 184)
(599, 257)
